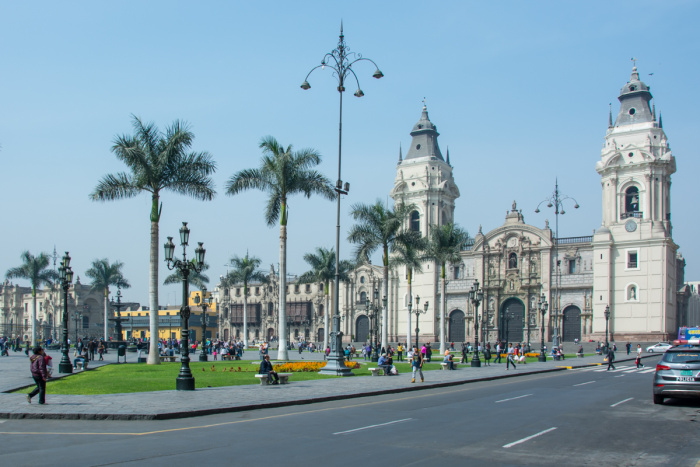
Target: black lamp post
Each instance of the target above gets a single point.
(118, 320)
(185, 380)
(340, 61)
(77, 317)
(203, 355)
(556, 200)
(66, 277)
(476, 295)
(508, 316)
(417, 311)
(373, 313)
(607, 318)
(543, 309)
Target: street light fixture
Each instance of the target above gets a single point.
(543, 309)
(77, 317)
(607, 318)
(556, 200)
(340, 60)
(417, 311)
(508, 316)
(118, 320)
(476, 295)
(66, 277)
(205, 301)
(185, 380)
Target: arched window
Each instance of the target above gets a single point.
(363, 297)
(631, 201)
(415, 221)
(512, 261)
(362, 279)
(270, 309)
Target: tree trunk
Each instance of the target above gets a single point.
(443, 304)
(245, 316)
(33, 316)
(282, 337)
(153, 358)
(408, 312)
(105, 305)
(385, 313)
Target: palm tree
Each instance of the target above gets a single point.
(444, 246)
(157, 162)
(378, 228)
(408, 250)
(282, 173)
(195, 278)
(34, 269)
(323, 270)
(103, 275)
(245, 271)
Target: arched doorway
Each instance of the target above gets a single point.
(362, 329)
(226, 335)
(319, 335)
(270, 334)
(457, 329)
(513, 327)
(571, 328)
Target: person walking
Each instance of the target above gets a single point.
(101, 350)
(629, 346)
(487, 354)
(498, 352)
(399, 352)
(510, 356)
(611, 358)
(417, 364)
(639, 356)
(37, 365)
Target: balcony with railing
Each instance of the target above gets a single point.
(573, 240)
(630, 214)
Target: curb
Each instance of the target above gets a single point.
(270, 405)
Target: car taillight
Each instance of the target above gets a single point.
(660, 367)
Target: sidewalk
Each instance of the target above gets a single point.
(164, 405)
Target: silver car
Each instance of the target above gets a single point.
(678, 374)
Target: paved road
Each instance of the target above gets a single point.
(572, 418)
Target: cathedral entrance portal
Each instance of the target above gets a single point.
(571, 328)
(362, 329)
(513, 326)
(457, 327)
(321, 332)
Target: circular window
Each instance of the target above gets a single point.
(420, 126)
(633, 88)
(632, 111)
(413, 183)
(417, 146)
(630, 154)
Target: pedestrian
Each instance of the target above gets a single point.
(101, 350)
(487, 354)
(37, 365)
(629, 346)
(417, 364)
(428, 352)
(611, 358)
(498, 352)
(399, 352)
(639, 356)
(509, 357)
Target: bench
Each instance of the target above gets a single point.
(375, 371)
(579, 355)
(444, 365)
(284, 378)
(82, 364)
(168, 358)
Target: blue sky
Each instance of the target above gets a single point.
(519, 92)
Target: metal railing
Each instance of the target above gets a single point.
(571, 240)
(635, 214)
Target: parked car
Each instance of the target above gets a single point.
(661, 347)
(678, 374)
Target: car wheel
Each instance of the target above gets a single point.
(650, 350)
(658, 399)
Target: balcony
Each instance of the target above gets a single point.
(635, 214)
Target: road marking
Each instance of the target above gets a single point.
(619, 376)
(372, 426)
(621, 402)
(510, 445)
(513, 398)
(581, 384)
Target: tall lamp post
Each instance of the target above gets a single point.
(77, 317)
(66, 277)
(607, 318)
(418, 311)
(340, 60)
(185, 380)
(557, 200)
(476, 295)
(118, 320)
(373, 313)
(508, 316)
(543, 309)
(205, 301)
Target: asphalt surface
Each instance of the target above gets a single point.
(576, 417)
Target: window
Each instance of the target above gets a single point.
(632, 293)
(238, 292)
(86, 322)
(512, 261)
(456, 272)
(257, 291)
(631, 201)
(362, 279)
(308, 288)
(572, 266)
(415, 221)
(632, 260)
(363, 297)
(296, 288)
(270, 309)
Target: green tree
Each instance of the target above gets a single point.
(195, 278)
(444, 246)
(104, 275)
(34, 269)
(282, 173)
(408, 250)
(157, 162)
(323, 271)
(245, 270)
(378, 228)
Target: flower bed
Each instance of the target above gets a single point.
(307, 366)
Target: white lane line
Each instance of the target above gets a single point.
(372, 426)
(513, 398)
(619, 376)
(581, 384)
(514, 443)
(621, 402)
(648, 370)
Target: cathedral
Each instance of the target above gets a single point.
(623, 280)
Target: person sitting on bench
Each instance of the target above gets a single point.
(266, 369)
(384, 364)
(83, 357)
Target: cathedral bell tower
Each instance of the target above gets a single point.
(634, 253)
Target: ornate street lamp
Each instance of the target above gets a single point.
(205, 301)
(185, 380)
(77, 317)
(118, 320)
(543, 309)
(556, 200)
(417, 311)
(507, 317)
(607, 318)
(340, 61)
(476, 295)
(66, 276)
